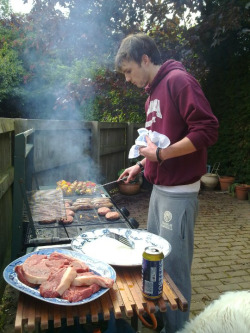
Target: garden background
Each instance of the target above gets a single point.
(57, 62)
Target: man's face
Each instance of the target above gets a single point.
(138, 75)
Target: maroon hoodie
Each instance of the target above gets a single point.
(177, 107)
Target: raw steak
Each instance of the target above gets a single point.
(58, 282)
(76, 294)
(87, 279)
(57, 258)
(22, 278)
(37, 268)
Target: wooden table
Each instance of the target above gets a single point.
(125, 297)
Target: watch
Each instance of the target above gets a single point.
(140, 165)
(158, 155)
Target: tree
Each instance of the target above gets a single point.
(4, 9)
(223, 40)
(12, 70)
(91, 32)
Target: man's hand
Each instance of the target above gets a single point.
(131, 173)
(150, 151)
(179, 148)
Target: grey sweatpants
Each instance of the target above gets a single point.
(172, 216)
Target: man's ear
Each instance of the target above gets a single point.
(145, 59)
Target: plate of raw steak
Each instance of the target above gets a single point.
(60, 276)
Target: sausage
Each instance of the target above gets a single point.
(102, 204)
(47, 221)
(68, 201)
(85, 206)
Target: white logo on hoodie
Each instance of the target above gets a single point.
(154, 106)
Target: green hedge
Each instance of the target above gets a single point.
(228, 93)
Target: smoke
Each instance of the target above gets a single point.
(66, 48)
(63, 54)
(63, 151)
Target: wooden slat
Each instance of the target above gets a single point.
(70, 319)
(6, 125)
(94, 306)
(150, 305)
(37, 305)
(170, 295)
(6, 179)
(162, 304)
(50, 311)
(181, 300)
(137, 277)
(126, 288)
(26, 310)
(44, 316)
(74, 312)
(106, 306)
(57, 316)
(125, 295)
(19, 314)
(135, 290)
(31, 315)
(117, 301)
(83, 311)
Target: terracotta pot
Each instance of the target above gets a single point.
(225, 182)
(241, 191)
(209, 180)
(129, 189)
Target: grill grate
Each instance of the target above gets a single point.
(45, 205)
(56, 232)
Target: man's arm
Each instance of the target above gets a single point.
(180, 148)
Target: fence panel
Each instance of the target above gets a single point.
(6, 181)
(79, 150)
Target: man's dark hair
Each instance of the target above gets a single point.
(133, 47)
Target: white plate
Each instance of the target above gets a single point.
(95, 265)
(95, 244)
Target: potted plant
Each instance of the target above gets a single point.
(225, 182)
(133, 187)
(211, 179)
(240, 191)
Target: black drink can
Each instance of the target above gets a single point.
(152, 273)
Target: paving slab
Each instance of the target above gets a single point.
(221, 249)
(221, 244)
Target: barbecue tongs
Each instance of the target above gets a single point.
(114, 181)
(118, 237)
(121, 239)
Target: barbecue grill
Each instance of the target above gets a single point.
(38, 232)
(31, 208)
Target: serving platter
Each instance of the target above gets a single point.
(97, 244)
(97, 266)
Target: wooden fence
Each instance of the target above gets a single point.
(62, 150)
(6, 181)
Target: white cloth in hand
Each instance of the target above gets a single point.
(160, 140)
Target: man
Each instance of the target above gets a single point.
(177, 108)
